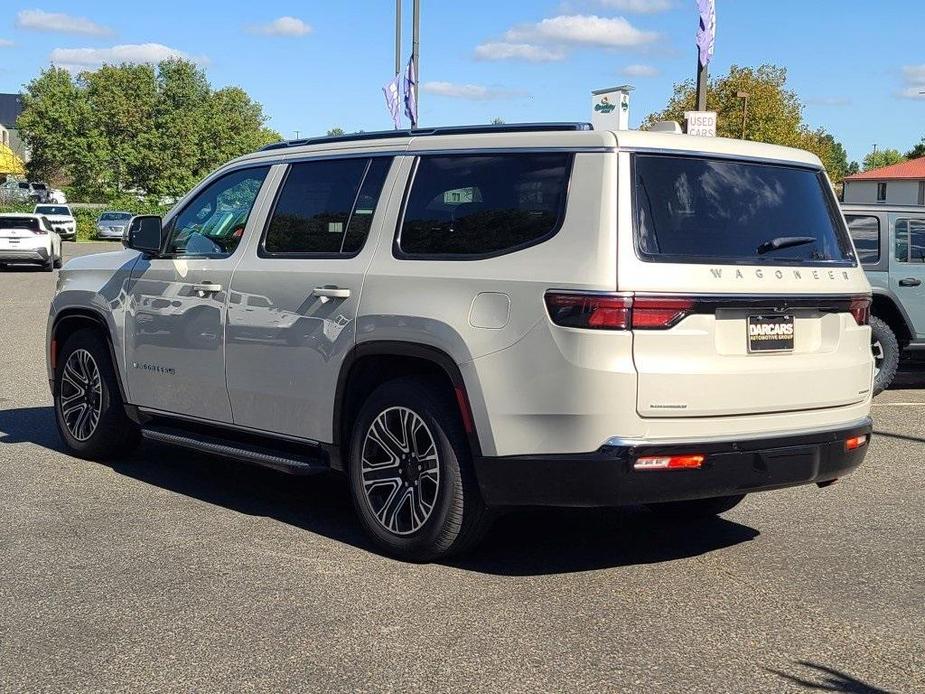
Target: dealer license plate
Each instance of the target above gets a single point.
(770, 333)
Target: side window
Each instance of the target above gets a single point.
(910, 240)
(213, 222)
(481, 205)
(865, 232)
(326, 207)
(881, 192)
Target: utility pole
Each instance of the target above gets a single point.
(397, 37)
(744, 95)
(415, 53)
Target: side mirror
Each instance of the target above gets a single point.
(145, 233)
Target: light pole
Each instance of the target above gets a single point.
(744, 96)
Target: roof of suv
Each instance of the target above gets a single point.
(567, 135)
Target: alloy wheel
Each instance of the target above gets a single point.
(400, 470)
(81, 396)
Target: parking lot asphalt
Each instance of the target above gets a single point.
(172, 571)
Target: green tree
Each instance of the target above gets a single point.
(774, 114)
(497, 120)
(158, 129)
(333, 132)
(882, 157)
(917, 151)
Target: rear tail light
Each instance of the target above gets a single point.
(611, 312)
(860, 309)
(668, 462)
(597, 311)
(855, 442)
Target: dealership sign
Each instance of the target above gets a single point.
(701, 123)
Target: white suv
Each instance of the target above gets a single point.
(468, 319)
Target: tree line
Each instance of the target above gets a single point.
(771, 113)
(149, 129)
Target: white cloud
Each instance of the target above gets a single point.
(914, 78)
(6, 43)
(502, 50)
(284, 26)
(75, 59)
(39, 20)
(638, 6)
(472, 92)
(640, 71)
(591, 30)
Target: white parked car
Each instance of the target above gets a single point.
(61, 218)
(111, 225)
(29, 238)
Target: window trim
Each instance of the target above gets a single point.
(192, 195)
(867, 215)
(831, 205)
(399, 254)
(262, 252)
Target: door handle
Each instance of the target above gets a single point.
(207, 287)
(910, 282)
(332, 292)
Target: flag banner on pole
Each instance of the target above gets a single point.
(393, 99)
(706, 34)
(411, 107)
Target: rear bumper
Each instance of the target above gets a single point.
(34, 255)
(606, 477)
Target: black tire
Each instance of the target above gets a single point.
(59, 261)
(458, 517)
(888, 360)
(49, 265)
(114, 434)
(696, 509)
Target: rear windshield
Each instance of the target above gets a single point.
(115, 217)
(39, 186)
(30, 223)
(700, 210)
(52, 209)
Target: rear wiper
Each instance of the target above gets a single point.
(784, 242)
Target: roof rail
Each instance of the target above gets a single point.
(424, 132)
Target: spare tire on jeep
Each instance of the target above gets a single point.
(885, 346)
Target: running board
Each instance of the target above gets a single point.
(284, 461)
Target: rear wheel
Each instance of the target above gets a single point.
(49, 265)
(410, 473)
(89, 411)
(696, 509)
(885, 348)
(59, 259)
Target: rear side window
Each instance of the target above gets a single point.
(865, 232)
(910, 240)
(326, 207)
(470, 206)
(701, 210)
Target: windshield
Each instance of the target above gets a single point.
(52, 209)
(695, 209)
(30, 223)
(39, 186)
(115, 217)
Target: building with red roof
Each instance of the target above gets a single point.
(897, 184)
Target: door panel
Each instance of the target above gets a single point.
(175, 321)
(907, 266)
(293, 301)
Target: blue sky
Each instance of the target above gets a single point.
(858, 65)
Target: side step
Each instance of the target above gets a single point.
(285, 461)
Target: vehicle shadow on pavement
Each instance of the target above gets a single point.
(828, 679)
(523, 542)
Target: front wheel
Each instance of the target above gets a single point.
(89, 411)
(696, 509)
(410, 473)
